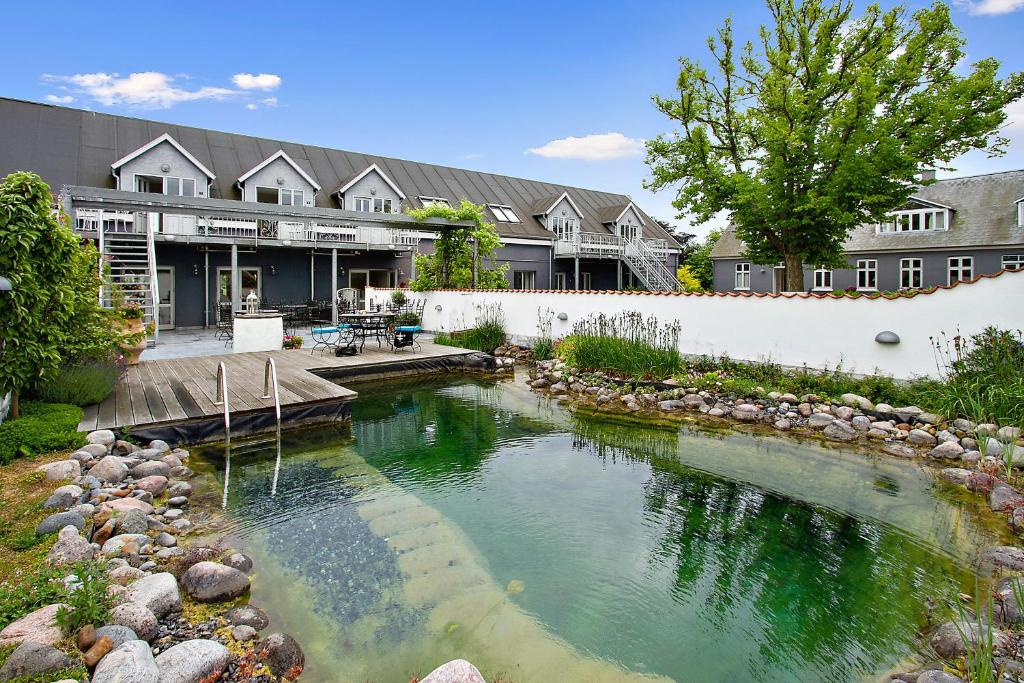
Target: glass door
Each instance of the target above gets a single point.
(251, 281)
(358, 280)
(165, 292)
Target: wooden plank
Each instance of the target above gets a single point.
(171, 403)
(151, 389)
(186, 399)
(141, 413)
(122, 404)
(90, 417)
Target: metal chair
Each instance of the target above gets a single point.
(341, 339)
(225, 323)
(404, 336)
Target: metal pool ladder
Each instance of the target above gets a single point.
(222, 399)
(270, 373)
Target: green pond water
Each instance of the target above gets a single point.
(464, 518)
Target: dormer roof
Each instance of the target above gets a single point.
(280, 154)
(150, 145)
(546, 205)
(356, 177)
(613, 214)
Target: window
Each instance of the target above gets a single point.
(867, 274)
(1020, 213)
(1013, 261)
(910, 273)
(742, 276)
(560, 281)
(960, 268)
(169, 185)
(585, 281)
(435, 200)
(292, 197)
(364, 204)
(629, 231)
(915, 220)
(523, 279)
(503, 213)
(823, 279)
(382, 206)
(564, 228)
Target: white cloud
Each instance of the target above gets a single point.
(596, 147)
(150, 89)
(269, 102)
(60, 99)
(257, 82)
(990, 7)
(252, 106)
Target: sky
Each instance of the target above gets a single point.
(553, 91)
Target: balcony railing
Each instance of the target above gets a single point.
(315, 232)
(603, 245)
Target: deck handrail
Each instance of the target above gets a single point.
(222, 399)
(270, 371)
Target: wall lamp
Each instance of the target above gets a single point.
(563, 316)
(195, 270)
(437, 308)
(887, 337)
(273, 270)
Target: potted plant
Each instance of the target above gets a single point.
(292, 342)
(133, 333)
(398, 299)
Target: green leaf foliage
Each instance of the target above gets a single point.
(824, 123)
(42, 428)
(451, 264)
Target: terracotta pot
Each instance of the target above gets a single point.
(132, 352)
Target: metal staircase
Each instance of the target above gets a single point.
(649, 267)
(129, 256)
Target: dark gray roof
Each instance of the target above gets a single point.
(610, 214)
(984, 215)
(76, 147)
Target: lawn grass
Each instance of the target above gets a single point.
(42, 428)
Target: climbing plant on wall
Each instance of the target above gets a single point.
(451, 264)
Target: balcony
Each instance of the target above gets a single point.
(601, 245)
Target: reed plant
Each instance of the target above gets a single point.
(983, 375)
(487, 334)
(626, 344)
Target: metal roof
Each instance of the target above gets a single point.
(76, 147)
(984, 215)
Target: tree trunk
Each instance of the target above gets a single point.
(794, 273)
(15, 407)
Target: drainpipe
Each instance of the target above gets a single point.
(476, 257)
(206, 288)
(576, 277)
(334, 285)
(312, 274)
(551, 267)
(236, 280)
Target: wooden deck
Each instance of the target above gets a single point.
(183, 389)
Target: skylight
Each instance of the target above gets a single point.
(503, 213)
(435, 200)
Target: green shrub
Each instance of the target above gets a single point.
(88, 602)
(42, 428)
(407, 318)
(984, 376)
(543, 349)
(83, 382)
(43, 588)
(487, 335)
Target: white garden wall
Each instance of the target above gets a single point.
(792, 330)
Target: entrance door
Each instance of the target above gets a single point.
(358, 280)
(251, 281)
(165, 291)
(779, 277)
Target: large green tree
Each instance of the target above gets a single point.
(824, 124)
(458, 250)
(40, 255)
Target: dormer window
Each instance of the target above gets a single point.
(1020, 212)
(169, 185)
(504, 213)
(282, 196)
(435, 200)
(917, 217)
(373, 205)
(564, 228)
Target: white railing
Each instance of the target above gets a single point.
(649, 266)
(154, 293)
(599, 244)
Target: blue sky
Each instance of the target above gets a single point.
(471, 84)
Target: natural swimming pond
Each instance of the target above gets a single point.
(464, 518)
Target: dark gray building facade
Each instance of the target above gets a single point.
(218, 215)
(951, 230)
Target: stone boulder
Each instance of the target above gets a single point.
(130, 661)
(124, 543)
(192, 661)
(70, 548)
(64, 497)
(156, 592)
(37, 627)
(119, 635)
(921, 438)
(62, 469)
(843, 413)
(248, 615)
(840, 430)
(58, 521)
(948, 639)
(282, 655)
(131, 521)
(857, 401)
(947, 450)
(103, 437)
(455, 671)
(1003, 557)
(136, 617)
(239, 561)
(154, 484)
(180, 488)
(820, 420)
(746, 412)
(214, 582)
(936, 676)
(151, 468)
(899, 450)
(1004, 498)
(110, 469)
(33, 659)
(956, 475)
(122, 504)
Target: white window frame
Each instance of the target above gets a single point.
(435, 200)
(586, 281)
(741, 280)
(292, 195)
(822, 280)
(181, 183)
(564, 228)
(959, 269)
(357, 204)
(385, 205)
(504, 213)
(914, 268)
(520, 279)
(914, 221)
(561, 283)
(1013, 262)
(867, 275)
(1020, 213)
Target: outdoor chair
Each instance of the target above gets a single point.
(404, 336)
(225, 323)
(340, 339)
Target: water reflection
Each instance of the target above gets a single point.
(692, 555)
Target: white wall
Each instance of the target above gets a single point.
(792, 330)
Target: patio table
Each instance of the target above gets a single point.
(369, 322)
